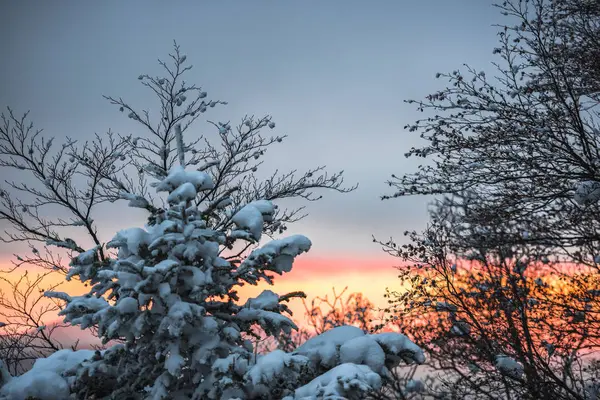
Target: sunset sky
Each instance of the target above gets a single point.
(333, 74)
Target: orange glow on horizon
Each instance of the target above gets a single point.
(317, 276)
(314, 276)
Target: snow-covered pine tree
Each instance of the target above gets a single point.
(170, 298)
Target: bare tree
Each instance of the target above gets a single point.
(475, 316)
(502, 286)
(324, 313)
(520, 149)
(24, 333)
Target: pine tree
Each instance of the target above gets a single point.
(170, 297)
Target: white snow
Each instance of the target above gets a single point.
(266, 208)
(82, 310)
(185, 192)
(129, 240)
(279, 254)
(87, 257)
(273, 321)
(127, 305)
(231, 363)
(178, 176)
(363, 350)
(45, 380)
(340, 382)
(399, 345)
(348, 344)
(174, 361)
(134, 200)
(323, 349)
(276, 363)
(253, 216)
(267, 300)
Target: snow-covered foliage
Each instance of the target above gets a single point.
(170, 296)
(343, 381)
(348, 344)
(46, 380)
(252, 216)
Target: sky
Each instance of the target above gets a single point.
(333, 74)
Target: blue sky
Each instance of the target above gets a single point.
(333, 74)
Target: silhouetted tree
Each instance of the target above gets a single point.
(519, 150)
(498, 324)
(514, 159)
